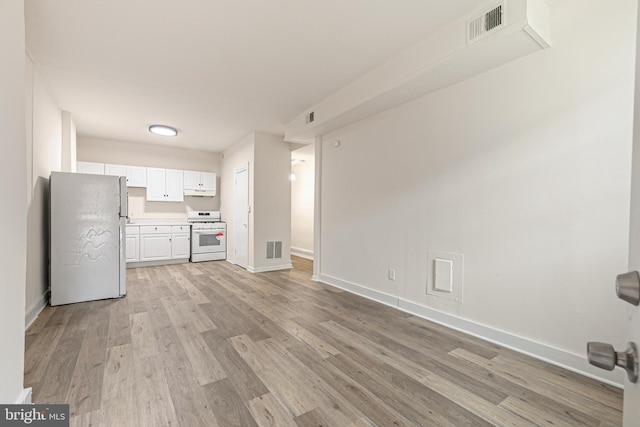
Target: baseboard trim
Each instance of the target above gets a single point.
(269, 268)
(35, 309)
(137, 264)
(555, 356)
(25, 397)
(302, 253)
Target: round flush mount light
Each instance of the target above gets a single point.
(163, 130)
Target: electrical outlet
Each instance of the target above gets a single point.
(392, 274)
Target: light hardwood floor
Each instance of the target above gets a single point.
(208, 344)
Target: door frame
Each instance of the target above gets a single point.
(236, 236)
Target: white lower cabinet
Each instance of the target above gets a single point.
(180, 242)
(155, 242)
(132, 243)
(161, 243)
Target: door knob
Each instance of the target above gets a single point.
(604, 356)
(628, 287)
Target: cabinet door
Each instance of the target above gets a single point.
(208, 181)
(136, 176)
(90, 167)
(133, 248)
(174, 186)
(191, 180)
(116, 170)
(155, 247)
(156, 185)
(180, 246)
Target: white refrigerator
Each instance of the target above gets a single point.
(87, 237)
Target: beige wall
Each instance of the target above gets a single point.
(272, 200)
(134, 154)
(13, 174)
(524, 170)
(44, 119)
(69, 143)
(269, 161)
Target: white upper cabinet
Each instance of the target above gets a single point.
(90, 167)
(165, 185)
(208, 180)
(194, 180)
(136, 176)
(117, 170)
(174, 185)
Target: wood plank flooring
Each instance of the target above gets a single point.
(208, 344)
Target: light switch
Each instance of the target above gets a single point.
(443, 275)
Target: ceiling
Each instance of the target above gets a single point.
(216, 70)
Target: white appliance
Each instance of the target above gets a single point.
(208, 236)
(87, 238)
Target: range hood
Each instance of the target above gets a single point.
(200, 193)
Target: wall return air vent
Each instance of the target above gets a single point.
(485, 23)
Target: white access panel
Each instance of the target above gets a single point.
(445, 275)
(85, 237)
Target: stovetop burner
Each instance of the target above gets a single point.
(203, 216)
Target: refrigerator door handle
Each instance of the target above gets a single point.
(124, 199)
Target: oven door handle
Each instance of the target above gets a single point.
(207, 231)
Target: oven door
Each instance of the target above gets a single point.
(208, 241)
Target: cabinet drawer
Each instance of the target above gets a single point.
(133, 230)
(180, 229)
(155, 229)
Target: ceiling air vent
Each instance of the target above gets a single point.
(485, 23)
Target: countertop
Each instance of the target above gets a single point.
(158, 221)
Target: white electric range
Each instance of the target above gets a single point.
(208, 236)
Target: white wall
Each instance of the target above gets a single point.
(134, 154)
(69, 143)
(268, 157)
(44, 120)
(525, 170)
(302, 195)
(272, 201)
(14, 190)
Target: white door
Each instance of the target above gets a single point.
(208, 181)
(191, 180)
(155, 184)
(604, 355)
(174, 185)
(631, 390)
(241, 217)
(132, 247)
(180, 247)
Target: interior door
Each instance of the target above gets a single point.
(241, 217)
(604, 355)
(632, 390)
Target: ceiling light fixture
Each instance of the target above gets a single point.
(163, 130)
